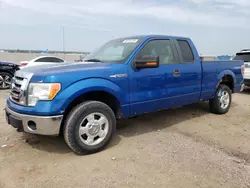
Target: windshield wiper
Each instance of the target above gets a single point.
(92, 60)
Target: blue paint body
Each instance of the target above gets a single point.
(142, 91)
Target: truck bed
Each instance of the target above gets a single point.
(213, 69)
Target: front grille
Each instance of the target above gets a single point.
(19, 78)
(16, 90)
(19, 87)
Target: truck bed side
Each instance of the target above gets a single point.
(213, 72)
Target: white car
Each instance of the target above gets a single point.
(41, 60)
(245, 56)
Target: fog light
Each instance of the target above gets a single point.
(32, 125)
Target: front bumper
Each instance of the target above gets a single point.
(43, 125)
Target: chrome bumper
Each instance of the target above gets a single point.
(43, 125)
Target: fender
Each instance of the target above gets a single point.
(224, 73)
(88, 85)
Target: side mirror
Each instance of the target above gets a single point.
(146, 62)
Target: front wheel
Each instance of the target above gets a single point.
(221, 103)
(89, 127)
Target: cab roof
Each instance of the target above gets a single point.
(157, 36)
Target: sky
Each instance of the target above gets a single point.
(217, 27)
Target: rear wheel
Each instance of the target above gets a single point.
(89, 127)
(222, 100)
(5, 80)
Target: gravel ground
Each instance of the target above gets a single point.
(182, 147)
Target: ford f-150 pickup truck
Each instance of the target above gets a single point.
(125, 77)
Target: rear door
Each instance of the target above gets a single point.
(184, 78)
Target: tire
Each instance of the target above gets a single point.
(217, 104)
(81, 126)
(5, 80)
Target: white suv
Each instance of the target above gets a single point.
(245, 56)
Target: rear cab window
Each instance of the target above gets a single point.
(186, 52)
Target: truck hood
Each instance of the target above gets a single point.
(62, 68)
(67, 73)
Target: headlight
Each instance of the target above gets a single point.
(42, 91)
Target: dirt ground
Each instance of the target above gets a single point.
(183, 147)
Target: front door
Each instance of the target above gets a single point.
(149, 86)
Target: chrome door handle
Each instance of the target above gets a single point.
(177, 73)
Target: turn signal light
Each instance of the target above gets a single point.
(55, 88)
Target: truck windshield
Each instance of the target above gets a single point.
(114, 51)
(242, 56)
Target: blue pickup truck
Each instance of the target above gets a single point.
(125, 77)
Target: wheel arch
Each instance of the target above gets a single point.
(227, 78)
(7, 71)
(95, 95)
